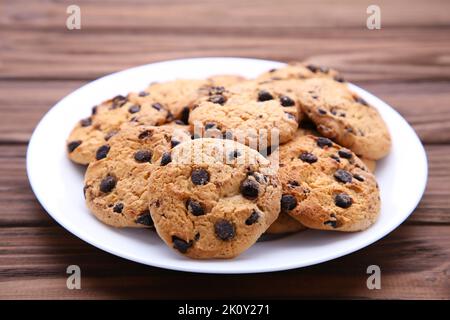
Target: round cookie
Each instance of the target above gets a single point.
(116, 182)
(179, 96)
(105, 121)
(344, 117)
(326, 186)
(214, 199)
(257, 118)
(299, 70)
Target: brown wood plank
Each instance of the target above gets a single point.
(413, 260)
(387, 54)
(425, 105)
(216, 14)
(18, 206)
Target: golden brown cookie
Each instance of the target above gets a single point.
(247, 112)
(116, 182)
(105, 121)
(344, 117)
(299, 70)
(214, 199)
(326, 186)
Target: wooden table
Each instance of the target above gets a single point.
(406, 63)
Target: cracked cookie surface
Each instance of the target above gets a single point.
(344, 117)
(214, 199)
(253, 114)
(106, 120)
(326, 186)
(116, 182)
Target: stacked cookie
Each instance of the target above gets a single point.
(214, 164)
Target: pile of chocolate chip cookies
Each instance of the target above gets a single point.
(212, 165)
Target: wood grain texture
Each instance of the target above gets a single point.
(22, 207)
(425, 105)
(412, 261)
(406, 63)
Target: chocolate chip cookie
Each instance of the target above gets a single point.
(116, 181)
(105, 121)
(326, 186)
(214, 198)
(247, 113)
(299, 70)
(180, 95)
(344, 117)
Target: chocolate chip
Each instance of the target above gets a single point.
(338, 79)
(179, 122)
(264, 95)
(252, 218)
(118, 101)
(134, 108)
(343, 200)
(71, 146)
(288, 202)
(332, 223)
(346, 154)
(322, 111)
(224, 230)
(249, 189)
(144, 134)
(185, 115)
(216, 90)
(86, 122)
(324, 142)
(108, 184)
(174, 143)
(286, 101)
(308, 157)
(358, 177)
(94, 110)
(335, 157)
(143, 94)
(157, 106)
(197, 236)
(145, 219)
(180, 244)
(312, 68)
(272, 70)
(118, 207)
(195, 208)
(166, 158)
(219, 99)
(234, 154)
(200, 177)
(142, 156)
(210, 125)
(343, 176)
(102, 152)
(361, 101)
(293, 184)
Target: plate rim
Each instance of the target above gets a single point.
(180, 266)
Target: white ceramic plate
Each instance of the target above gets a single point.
(58, 183)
